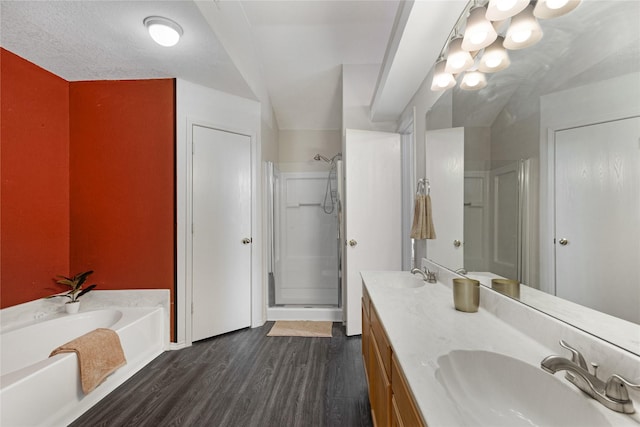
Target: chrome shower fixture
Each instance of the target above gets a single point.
(319, 157)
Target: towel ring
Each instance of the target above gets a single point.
(424, 187)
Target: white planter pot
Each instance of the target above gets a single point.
(72, 307)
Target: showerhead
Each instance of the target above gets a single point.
(331, 160)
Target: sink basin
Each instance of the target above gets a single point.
(406, 282)
(492, 389)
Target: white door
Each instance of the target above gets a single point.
(597, 201)
(373, 210)
(445, 172)
(221, 267)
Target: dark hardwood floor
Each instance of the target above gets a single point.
(245, 378)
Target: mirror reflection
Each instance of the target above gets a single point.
(547, 162)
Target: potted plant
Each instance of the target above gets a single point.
(76, 291)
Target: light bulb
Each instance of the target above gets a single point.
(521, 36)
(478, 36)
(556, 4)
(443, 81)
(473, 80)
(524, 30)
(504, 5)
(493, 61)
(479, 31)
(163, 31)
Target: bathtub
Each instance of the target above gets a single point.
(36, 390)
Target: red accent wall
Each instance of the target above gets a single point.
(123, 182)
(34, 237)
(88, 182)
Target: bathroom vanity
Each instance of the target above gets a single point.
(428, 364)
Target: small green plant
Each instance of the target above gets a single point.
(75, 283)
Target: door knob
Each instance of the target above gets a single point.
(563, 242)
(246, 241)
(352, 243)
(456, 243)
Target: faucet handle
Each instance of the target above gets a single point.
(616, 388)
(576, 356)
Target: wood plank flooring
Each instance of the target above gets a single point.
(244, 379)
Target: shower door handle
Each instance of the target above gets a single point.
(352, 243)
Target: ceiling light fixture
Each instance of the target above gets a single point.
(479, 32)
(473, 80)
(498, 10)
(495, 57)
(441, 79)
(458, 59)
(524, 30)
(163, 31)
(553, 8)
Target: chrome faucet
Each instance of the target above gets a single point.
(613, 393)
(427, 276)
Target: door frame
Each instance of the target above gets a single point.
(187, 236)
(576, 107)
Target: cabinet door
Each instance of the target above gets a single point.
(366, 336)
(379, 388)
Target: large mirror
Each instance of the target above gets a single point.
(549, 170)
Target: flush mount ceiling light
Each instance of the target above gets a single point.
(473, 80)
(441, 79)
(479, 32)
(458, 59)
(553, 8)
(524, 30)
(163, 31)
(497, 10)
(495, 57)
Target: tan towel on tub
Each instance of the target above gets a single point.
(99, 354)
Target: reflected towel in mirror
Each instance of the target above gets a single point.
(422, 227)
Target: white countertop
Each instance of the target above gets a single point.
(422, 325)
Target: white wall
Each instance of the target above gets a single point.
(421, 102)
(298, 146)
(199, 104)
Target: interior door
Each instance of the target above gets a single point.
(597, 200)
(221, 267)
(445, 171)
(373, 211)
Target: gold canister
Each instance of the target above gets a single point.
(466, 295)
(508, 287)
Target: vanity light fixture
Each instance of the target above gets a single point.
(498, 10)
(479, 32)
(473, 80)
(163, 31)
(441, 79)
(553, 8)
(495, 57)
(458, 59)
(524, 30)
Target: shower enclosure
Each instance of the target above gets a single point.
(303, 242)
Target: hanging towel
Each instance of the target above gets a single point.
(422, 227)
(99, 354)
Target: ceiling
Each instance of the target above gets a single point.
(300, 45)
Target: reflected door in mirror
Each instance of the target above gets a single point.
(598, 217)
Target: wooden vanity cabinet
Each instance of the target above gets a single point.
(391, 401)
